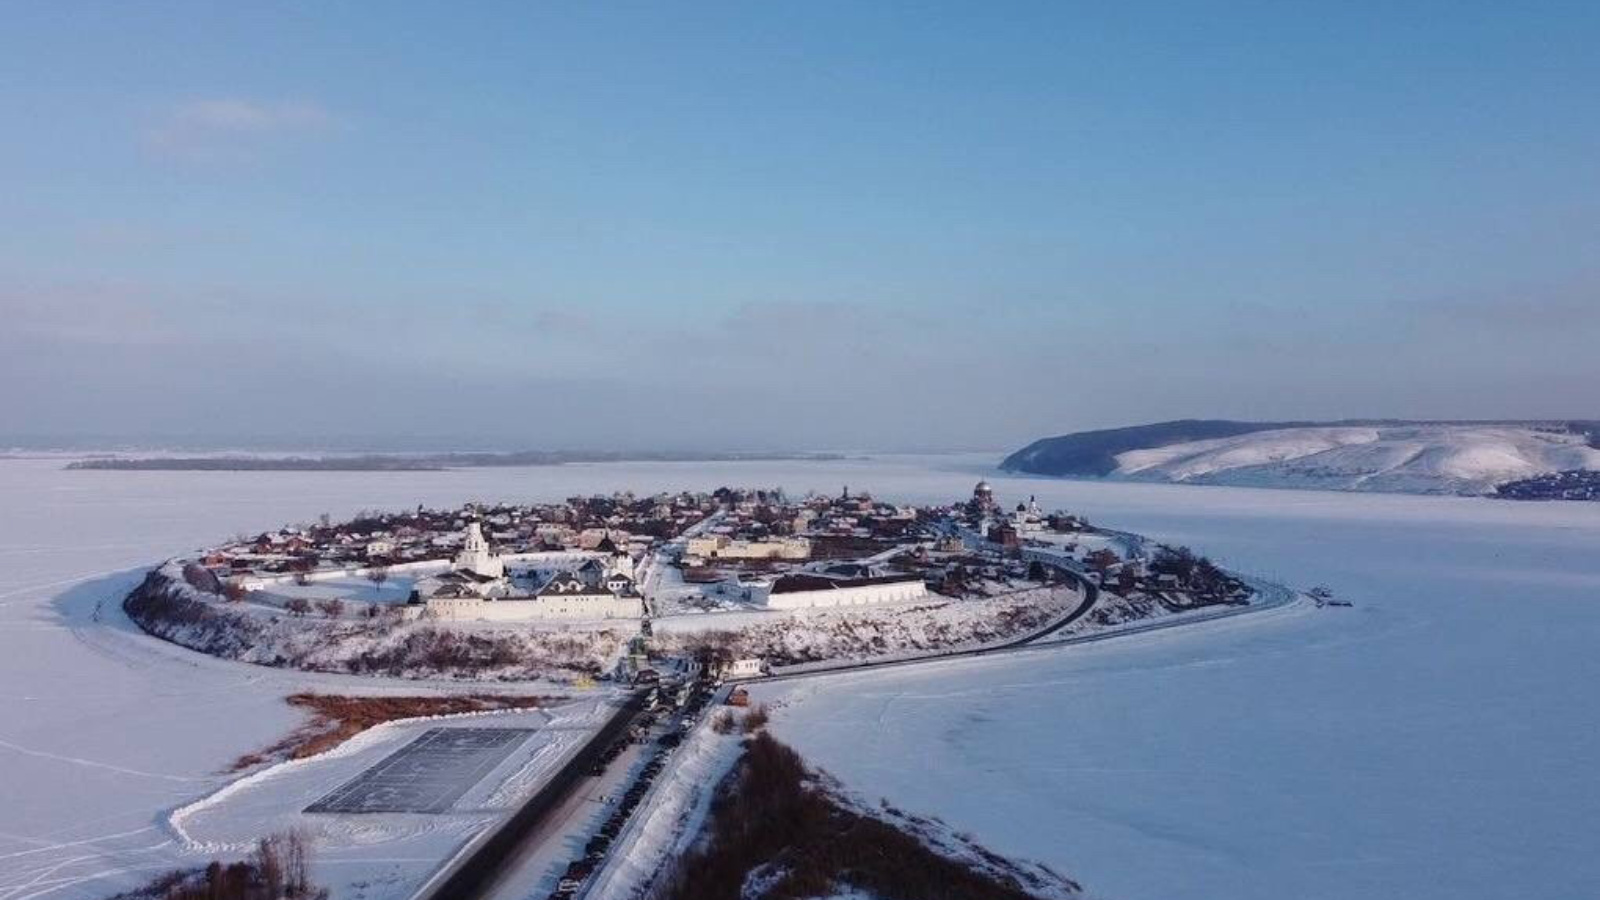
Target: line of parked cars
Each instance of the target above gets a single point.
(687, 706)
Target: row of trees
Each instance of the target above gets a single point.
(303, 569)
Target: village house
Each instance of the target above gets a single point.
(720, 546)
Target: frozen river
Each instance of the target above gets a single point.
(1436, 741)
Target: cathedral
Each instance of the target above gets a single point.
(982, 501)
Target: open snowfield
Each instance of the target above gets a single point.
(1435, 742)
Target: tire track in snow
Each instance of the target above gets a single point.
(96, 764)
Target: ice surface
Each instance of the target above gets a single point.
(1434, 742)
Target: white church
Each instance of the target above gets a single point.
(476, 557)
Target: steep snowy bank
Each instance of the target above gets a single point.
(1404, 458)
(167, 607)
(860, 632)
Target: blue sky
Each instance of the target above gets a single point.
(819, 225)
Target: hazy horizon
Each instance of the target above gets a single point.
(423, 445)
(402, 444)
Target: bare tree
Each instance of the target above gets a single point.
(296, 865)
(378, 575)
(269, 864)
(333, 609)
(233, 591)
(298, 606)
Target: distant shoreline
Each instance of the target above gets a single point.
(430, 462)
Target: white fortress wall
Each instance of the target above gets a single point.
(861, 595)
(451, 609)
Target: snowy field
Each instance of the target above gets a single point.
(395, 590)
(1434, 742)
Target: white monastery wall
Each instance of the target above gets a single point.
(896, 592)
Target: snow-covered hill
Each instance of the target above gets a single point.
(1418, 458)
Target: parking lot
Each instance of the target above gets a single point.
(427, 775)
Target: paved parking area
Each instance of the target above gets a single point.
(427, 775)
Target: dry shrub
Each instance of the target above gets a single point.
(336, 718)
(444, 650)
(756, 719)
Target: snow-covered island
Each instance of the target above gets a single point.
(1118, 755)
(620, 632)
(591, 587)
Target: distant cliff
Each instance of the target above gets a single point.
(1365, 455)
(1093, 454)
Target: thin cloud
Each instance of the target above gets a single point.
(233, 115)
(232, 128)
(1568, 309)
(83, 314)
